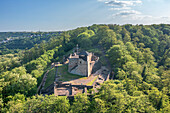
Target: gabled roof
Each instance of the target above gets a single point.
(84, 53)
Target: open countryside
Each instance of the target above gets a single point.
(85, 56)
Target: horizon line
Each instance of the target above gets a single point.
(76, 27)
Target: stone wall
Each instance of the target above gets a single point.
(81, 68)
(72, 63)
(69, 89)
(82, 65)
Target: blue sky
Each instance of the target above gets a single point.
(56, 15)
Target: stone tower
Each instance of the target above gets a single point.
(82, 63)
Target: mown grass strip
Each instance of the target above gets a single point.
(50, 77)
(91, 82)
(65, 75)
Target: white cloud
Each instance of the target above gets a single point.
(154, 0)
(127, 13)
(123, 3)
(153, 19)
(124, 12)
(120, 8)
(139, 19)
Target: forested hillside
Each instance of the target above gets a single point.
(139, 56)
(13, 42)
(5, 35)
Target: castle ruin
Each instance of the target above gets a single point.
(82, 63)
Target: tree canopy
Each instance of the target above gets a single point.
(139, 56)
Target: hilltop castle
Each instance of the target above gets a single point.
(82, 63)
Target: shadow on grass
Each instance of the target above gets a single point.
(65, 75)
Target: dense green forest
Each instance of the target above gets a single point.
(139, 56)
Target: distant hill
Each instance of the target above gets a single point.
(12, 42)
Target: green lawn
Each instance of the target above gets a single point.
(50, 77)
(65, 75)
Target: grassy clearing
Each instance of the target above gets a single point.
(50, 77)
(84, 78)
(65, 75)
(91, 82)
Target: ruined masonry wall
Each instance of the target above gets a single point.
(84, 68)
(81, 69)
(72, 63)
(89, 64)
